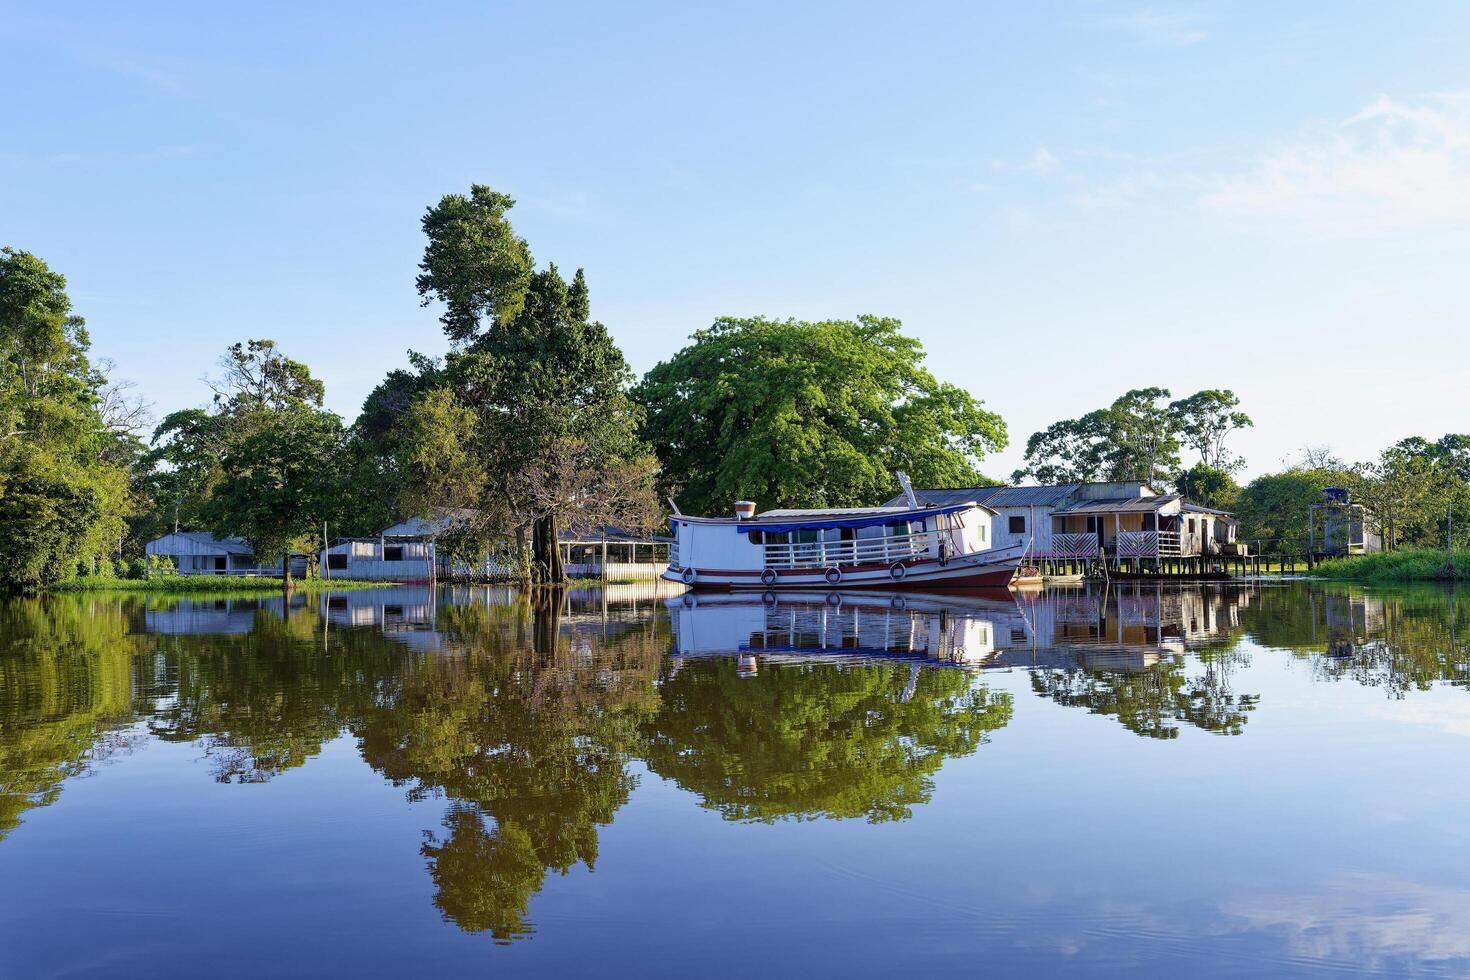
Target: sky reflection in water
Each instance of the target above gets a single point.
(1217, 781)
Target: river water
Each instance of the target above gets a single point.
(1220, 781)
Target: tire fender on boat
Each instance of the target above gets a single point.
(769, 576)
(898, 570)
(688, 576)
(833, 575)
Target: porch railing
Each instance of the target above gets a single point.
(862, 551)
(1139, 544)
(1074, 545)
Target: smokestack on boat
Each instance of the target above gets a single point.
(744, 510)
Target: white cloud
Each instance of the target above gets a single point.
(1371, 921)
(1392, 165)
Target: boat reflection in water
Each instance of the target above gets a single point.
(1130, 628)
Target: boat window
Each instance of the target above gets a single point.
(756, 536)
(981, 533)
(807, 536)
(898, 528)
(777, 537)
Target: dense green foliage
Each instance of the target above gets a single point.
(1209, 485)
(64, 492)
(1417, 492)
(808, 414)
(1273, 509)
(265, 462)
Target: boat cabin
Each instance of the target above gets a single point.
(827, 538)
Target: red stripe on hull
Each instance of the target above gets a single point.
(926, 579)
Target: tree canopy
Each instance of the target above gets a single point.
(1138, 437)
(64, 493)
(808, 414)
(532, 403)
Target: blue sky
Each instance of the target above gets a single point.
(1062, 201)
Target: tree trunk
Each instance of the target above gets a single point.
(546, 566)
(286, 583)
(545, 624)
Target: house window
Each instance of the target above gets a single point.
(980, 532)
(337, 562)
(1018, 524)
(393, 552)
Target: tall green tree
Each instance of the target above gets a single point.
(534, 393)
(265, 461)
(64, 493)
(1205, 420)
(808, 414)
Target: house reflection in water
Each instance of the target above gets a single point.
(198, 617)
(1128, 626)
(404, 613)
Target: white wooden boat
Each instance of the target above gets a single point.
(910, 547)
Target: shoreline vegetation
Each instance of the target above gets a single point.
(1420, 565)
(533, 422)
(234, 584)
(209, 584)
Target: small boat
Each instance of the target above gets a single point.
(909, 547)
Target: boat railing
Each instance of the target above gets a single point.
(861, 551)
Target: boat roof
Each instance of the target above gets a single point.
(828, 517)
(787, 514)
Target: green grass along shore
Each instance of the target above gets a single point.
(209, 584)
(1399, 566)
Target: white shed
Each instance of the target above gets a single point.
(201, 553)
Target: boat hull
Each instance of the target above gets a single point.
(980, 571)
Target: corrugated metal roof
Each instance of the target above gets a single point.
(1121, 505)
(1202, 509)
(997, 496)
(233, 546)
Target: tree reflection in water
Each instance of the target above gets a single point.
(66, 696)
(1153, 702)
(809, 740)
(524, 717)
(528, 729)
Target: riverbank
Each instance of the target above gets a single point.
(1398, 566)
(210, 584)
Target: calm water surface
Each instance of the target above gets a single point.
(1263, 780)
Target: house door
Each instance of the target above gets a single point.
(219, 563)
